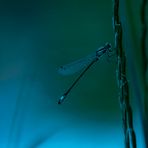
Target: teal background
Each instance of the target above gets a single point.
(35, 39)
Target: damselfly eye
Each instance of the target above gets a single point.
(108, 46)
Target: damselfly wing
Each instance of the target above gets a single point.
(80, 64)
(76, 66)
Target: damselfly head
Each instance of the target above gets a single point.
(108, 46)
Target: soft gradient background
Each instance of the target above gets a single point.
(36, 37)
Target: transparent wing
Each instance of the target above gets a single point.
(77, 65)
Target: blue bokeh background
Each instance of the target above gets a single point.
(36, 37)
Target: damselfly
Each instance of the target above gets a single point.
(78, 65)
